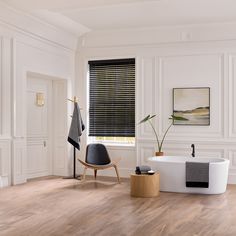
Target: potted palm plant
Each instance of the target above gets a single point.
(160, 141)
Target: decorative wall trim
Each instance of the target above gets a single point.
(60, 147)
(192, 139)
(4, 182)
(232, 179)
(146, 93)
(18, 21)
(232, 158)
(232, 166)
(25, 47)
(196, 131)
(19, 162)
(159, 37)
(5, 82)
(6, 85)
(1, 80)
(215, 45)
(183, 149)
(145, 153)
(5, 162)
(232, 97)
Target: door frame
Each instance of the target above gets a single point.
(54, 97)
(49, 118)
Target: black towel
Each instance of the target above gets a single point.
(197, 174)
(76, 128)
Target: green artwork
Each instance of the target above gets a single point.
(192, 104)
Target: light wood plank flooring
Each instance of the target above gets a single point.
(54, 206)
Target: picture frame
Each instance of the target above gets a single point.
(192, 103)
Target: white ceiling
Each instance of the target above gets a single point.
(84, 15)
(67, 4)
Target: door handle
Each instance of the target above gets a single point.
(44, 143)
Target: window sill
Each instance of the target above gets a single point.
(115, 144)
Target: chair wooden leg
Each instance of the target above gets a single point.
(117, 173)
(95, 174)
(85, 168)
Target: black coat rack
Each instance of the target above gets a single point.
(74, 100)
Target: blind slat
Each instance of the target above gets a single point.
(112, 98)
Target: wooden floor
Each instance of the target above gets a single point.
(54, 206)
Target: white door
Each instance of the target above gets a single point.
(39, 158)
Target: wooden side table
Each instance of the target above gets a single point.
(145, 185)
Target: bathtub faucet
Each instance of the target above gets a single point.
(193, 150)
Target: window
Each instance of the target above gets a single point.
(112, 100)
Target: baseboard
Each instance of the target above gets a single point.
(4, 181)
(232, 179)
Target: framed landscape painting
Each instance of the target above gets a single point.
(192, 104)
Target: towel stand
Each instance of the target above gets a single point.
(74, 100)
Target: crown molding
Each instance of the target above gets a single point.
(159, 35)
(29, 25)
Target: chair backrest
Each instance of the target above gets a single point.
(97, 154)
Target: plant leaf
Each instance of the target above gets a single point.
(177, 118)
(152, 117)
(144, 120)
(149, 117)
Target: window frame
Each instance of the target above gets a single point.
(92, 139)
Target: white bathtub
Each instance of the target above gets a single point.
(172, 174)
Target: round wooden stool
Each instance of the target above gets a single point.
(144, 185)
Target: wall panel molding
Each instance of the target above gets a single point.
(183, 149)
(144, 151)
(232, 158)
(18, 22)
(6, 85)
(1, 80)
(190, 140)
(232, 166)
(232, 96)
(216, 90)
(160, 36)
(146, 93)
(5, 111)
(60, 151)
(166, 66)
(19, 162)
(5, 162)
(48, 51)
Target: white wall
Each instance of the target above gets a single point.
(27, 45)
(193, 56)
(166, 58)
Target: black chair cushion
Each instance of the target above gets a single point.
(97, 154)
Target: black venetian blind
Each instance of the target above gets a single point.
(112, 98)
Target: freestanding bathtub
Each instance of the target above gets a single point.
(172, 174)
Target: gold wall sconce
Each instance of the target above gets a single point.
(40, 99)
